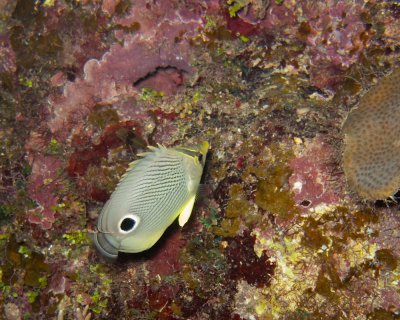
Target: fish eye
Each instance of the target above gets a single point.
(128, 223)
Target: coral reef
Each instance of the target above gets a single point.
(276, 233)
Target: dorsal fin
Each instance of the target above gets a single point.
(141, 155)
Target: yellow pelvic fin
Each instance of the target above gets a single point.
(204, 147)
(187, 210)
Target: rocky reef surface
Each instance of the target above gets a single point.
(278, 233)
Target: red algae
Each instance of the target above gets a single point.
(165, 262)
(245, 264)
(112, 137)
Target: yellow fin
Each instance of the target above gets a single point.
(187, 210)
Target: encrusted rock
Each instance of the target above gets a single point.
(12, 311)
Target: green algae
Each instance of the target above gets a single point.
(386, 259)
(95, 281)
(236, 6)
(24, 272)
(148, 94)
(238, 204)
(273, 194)
(238, 207)
(6, 212)
(227, 228)
(100, 303)
(26, 82)
(24, 250)
(31, 295)
(77, 238)
(102, 117)
(54, 147)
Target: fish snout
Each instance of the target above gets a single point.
(103, 245)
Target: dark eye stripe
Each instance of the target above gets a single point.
(127, 224)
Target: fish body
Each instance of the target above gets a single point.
(154, 191)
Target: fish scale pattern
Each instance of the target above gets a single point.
(371, 156)
(157, 184)
(163, 191)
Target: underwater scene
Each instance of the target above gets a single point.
(199, 159)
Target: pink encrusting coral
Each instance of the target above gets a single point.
(311, 176)
(160, 43)
(335, 35)
(332, 32)
(7, 56)
(107, 81)
(43, 187)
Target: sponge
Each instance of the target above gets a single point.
(371, 157)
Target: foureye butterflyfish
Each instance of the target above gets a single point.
(154, 191)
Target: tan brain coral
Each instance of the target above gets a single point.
(371, 157)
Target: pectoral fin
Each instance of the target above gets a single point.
(187, 210)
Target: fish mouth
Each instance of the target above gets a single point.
(104, 245)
